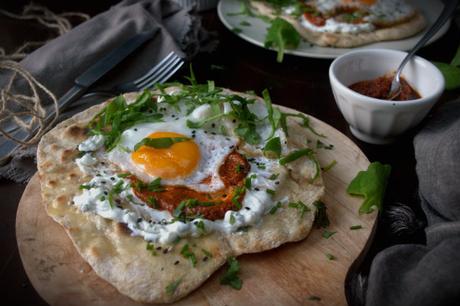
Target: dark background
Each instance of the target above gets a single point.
(300, 83)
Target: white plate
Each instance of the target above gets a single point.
(255, 33)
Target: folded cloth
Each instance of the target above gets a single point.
(428, 274)
(60, 61)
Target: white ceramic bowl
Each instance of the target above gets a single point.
(380, 121)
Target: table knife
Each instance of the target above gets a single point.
(81, 85)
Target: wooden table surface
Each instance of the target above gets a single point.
(299, 83)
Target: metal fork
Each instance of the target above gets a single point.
(159, 74)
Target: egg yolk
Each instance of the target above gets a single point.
(179, 160)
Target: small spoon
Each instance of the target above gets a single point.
(449, 9)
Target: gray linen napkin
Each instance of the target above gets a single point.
(416, 274)
(61, 60)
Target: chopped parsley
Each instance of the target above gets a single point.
(207, 253)
(180, 213)
(232, 219)
(274, 176)
(327, 234)
(239, 168)
(123, 175)
(248, 181)
(151, 247)
(270, 192)
(231, 277)
(152, 201)
(321, 218)
(85, 186)
(172, 287)
(236, 196)
(300, 206)
(330, 166)
(187, 253)
(330, 256)
(200, 226)
(153, 186)
(275, 208)
(322, 145)
(356, 227)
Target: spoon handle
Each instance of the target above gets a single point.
(448, 10)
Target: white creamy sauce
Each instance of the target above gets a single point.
(387, 12)
(156, 225)
(334, 26)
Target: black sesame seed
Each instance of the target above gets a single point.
(98, 174)
(213, 125)
(277, 182)
(139, 220)
(285, 142)
(224, 195)
(150, 111)
(176, 262)
(205, 258)
(177, 119)
(234, 120)
(119, 207)
(106, 193)
(150, 221)
(162, 269)
(112, 178)
(173, 115)
(256, 189)
(206, 132)
(247, 208)
(102, 163)
(165, 251)
(231, 147)
(103, 182)
(159, 248)
(213, 133)
(135, 130)
(193, 131)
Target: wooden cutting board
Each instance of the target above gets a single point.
(293, 274)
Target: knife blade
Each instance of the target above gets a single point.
(81, 85)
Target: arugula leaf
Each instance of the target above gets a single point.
(118, 116)
(272, 148)
(451, 74)
(281, 35)
(159, 143)
(371, 184)
(172, 287)
(187, 253)
(231, 277)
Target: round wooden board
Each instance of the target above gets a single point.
(288, 275)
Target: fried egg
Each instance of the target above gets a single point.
(187, 163)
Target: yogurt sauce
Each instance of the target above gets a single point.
(158, 226)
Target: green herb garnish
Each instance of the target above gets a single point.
(85, 186)
(330, 256)
(300, 206)
(281, 35)
(232, 219)
(200, 226)
(118, 116)
(207, 253)
(330, 166)
(321, 218)
(370, 184)
(236, 196)
(327, 234)
(153, 186)
(451, 71)
(274, 176)
(151, 247)
(248, 181)
(275, 208)
(160, 143)
(188, 254)
(172, 287)
(272, 148)
(270, 192)
(231, 277)
(356, 227)
(322, 145)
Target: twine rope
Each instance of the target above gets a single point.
(26, 111)
(30, 106)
